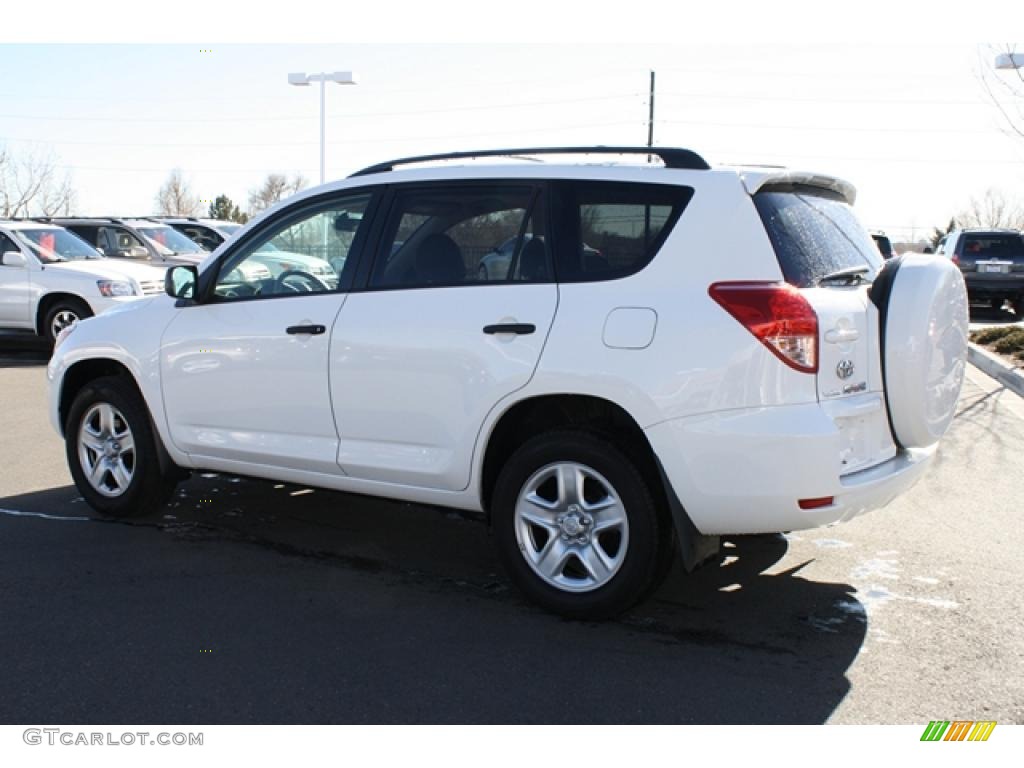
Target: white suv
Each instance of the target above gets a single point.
(50, 279)
(678, 352)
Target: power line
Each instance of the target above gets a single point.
(341, 116)
(336, 144)
(816, 99)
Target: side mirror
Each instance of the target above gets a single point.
(180, 282)
(14, 259)
(137, 252)
(929, 249)
(102, 251)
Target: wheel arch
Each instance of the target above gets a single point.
(534, 415)
(46, 303)
(81, 373)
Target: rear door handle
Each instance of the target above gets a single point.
(312, 330)
(520, 329)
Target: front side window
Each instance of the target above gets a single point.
(53, 245)
(121, 242)
(615, 228)
(307, 253)
(459, 235)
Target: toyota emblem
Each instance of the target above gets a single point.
(845, 369)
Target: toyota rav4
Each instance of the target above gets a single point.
(738, 359)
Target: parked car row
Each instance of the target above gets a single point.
(55, 271)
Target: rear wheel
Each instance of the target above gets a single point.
(63, 314)
(576, 525)
(111, 450)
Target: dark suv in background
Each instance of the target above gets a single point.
(992, 263)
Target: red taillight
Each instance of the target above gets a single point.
(824, 501)
(778, 315)
(956, 259)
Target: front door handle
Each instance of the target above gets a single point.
(312, 330)
(520, 329)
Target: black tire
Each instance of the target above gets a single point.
(649, 539)
(63, 307)
(148, 489)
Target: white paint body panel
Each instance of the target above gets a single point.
(238, 387)
(413, 376)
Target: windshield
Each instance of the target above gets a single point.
(52, 245)
(169, 241)
(815, 233)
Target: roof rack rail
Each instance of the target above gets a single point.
(673, 157)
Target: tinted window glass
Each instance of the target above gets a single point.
(52, 245)
(994, 246)
(6, 244)
(305, 253)
(814, 233)
(459, 235)
(615, 228)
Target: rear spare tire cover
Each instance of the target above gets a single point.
(924, 347)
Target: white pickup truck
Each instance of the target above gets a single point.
(51, 278)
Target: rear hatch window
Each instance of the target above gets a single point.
(814, 233)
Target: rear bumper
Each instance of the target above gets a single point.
(1006, 286)
(744, 471)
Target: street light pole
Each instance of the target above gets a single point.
(341, 78)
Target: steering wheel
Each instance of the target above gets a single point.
(297, 281)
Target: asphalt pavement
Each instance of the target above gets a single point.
(246, 601)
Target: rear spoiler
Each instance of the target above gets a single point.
(756, 179)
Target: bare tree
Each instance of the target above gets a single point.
(175, 197)
(992, 209)
(275, 187)
(1005, 88)
(31, 185)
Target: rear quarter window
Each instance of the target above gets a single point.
(613, 229)
(814, 233)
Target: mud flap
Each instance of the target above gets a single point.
(694, 547)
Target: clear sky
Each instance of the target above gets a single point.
(909, 124)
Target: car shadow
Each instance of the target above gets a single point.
(19, 350)
(983, 313)
(329, 607)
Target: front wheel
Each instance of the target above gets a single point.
(64, 314)
(576, 525)
(111, 450)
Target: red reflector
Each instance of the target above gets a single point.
(825, 501)
(778, 315)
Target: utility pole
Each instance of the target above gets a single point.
(650, 117)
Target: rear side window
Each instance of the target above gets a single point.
(814, 233)
(463, 234)
(994, 246)
(613, 229)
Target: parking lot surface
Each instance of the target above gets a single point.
(247, 601)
